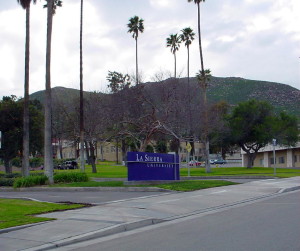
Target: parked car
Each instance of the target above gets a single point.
(212, 161)
(220, 161)
(195, 163)
(70, 164)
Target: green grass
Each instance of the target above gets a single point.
(91, 184)
(192, 185)
(240, 171)
(14, 212)
(176, 186)
(111, 170)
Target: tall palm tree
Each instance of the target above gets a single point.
(25, 152)
(48, 150)
(174, 43)
(82, 161)
(135, 26)
(203, 84)
(187, 36)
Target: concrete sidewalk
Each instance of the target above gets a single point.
(114, 217)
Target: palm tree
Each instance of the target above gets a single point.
(187, 36)
(135, 26)
(174, 42)
(82, 162)
(48, 151)
(203, 84)
(25, 152)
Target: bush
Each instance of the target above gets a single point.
(30, 181)
(16, 162)
(10, 175)
(36, 162)
(6, 182)
(70, 177)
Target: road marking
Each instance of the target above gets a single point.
(222, 191)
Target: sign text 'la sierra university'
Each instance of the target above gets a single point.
(152, 166)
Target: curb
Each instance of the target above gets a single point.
(81, 189)
(227, 177)
(290, 189)
(10, 229)
(96, 234)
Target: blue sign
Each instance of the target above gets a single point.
(152, 166)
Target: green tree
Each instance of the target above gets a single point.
(25, 163)
(48, 151)
(117, 81)
(11, 125)
(253, 125)
(174, 43)
(187, 36)
(204, 87)
(136, 26)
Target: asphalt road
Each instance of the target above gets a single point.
(272, 224)
(94, 197)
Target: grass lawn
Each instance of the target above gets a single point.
(184, 186)
(192, 185)
(15, 212)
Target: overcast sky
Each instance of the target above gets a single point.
(247, 38)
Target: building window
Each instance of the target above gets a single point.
(295, 158)
(261, 162)
(272, 161)
(281, 160)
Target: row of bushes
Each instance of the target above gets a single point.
(36, 162)
(41, 179)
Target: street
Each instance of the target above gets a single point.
(271, 224)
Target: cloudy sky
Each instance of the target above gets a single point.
(247, 38)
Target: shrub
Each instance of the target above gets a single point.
(36, 162)
(10, 175)
(70, 177)
(16, 162)
(30, 181)
(6, 182)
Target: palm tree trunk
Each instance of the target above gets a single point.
(82, 162)
(136, 62)
(199, 35)
(25, 152)
(174, 65)
(48, 150)
(205, 136)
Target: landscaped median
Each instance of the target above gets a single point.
(15, 212)
(183, 186)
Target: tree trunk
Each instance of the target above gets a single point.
(82, 162)
(124, 151)
(174, 65)
(48, 151)
(136, 62)
(250, 160)
(25, 155)
(117, 151)
(206, 140)
(87, 151)
(7, 165)
(93, 158)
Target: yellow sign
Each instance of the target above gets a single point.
(188, 147)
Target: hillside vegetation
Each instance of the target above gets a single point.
(232, 90)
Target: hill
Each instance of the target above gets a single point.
(232, 90)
